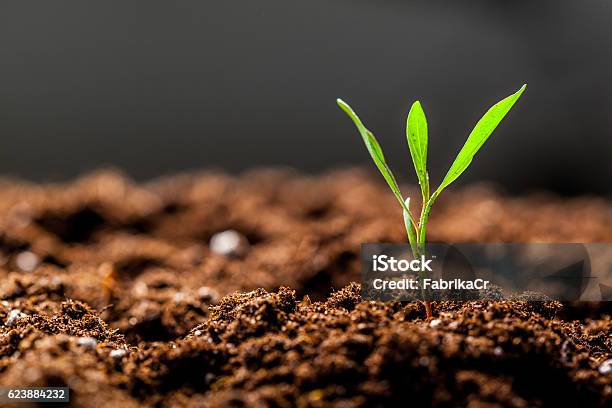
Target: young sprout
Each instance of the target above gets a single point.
(416, 133)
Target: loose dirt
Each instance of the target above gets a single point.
(113, 289)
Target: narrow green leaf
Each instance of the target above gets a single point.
(375, 152)
(410, 228)
(483, 129)
(416, 132)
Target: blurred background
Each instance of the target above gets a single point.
(159, 88)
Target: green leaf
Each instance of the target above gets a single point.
(416, 132)
(410, 227)
(483, 129)
(375, 152)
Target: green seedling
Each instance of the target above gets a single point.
(416, 133)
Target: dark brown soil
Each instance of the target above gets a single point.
(112, 289)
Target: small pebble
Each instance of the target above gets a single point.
(435, 323)
(606, 367)
(197, 333)
(566, 352)
(229, 243)
(27, 261)
(13, 316)
(87, 342)
(140, 289)
(119, 353)
(498, 351)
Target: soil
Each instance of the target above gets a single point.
(112, 289)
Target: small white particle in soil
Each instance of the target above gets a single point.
(197, 333)
(178, 297)
(606, 367)
(87, 342)
(27, 261)
(566, 352)
(133, 321)
(13, 316)
(229, 243)
(117, 353)
(498, 351)
(140, 289)
(435, 323)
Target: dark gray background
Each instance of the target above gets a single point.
(157, 88)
